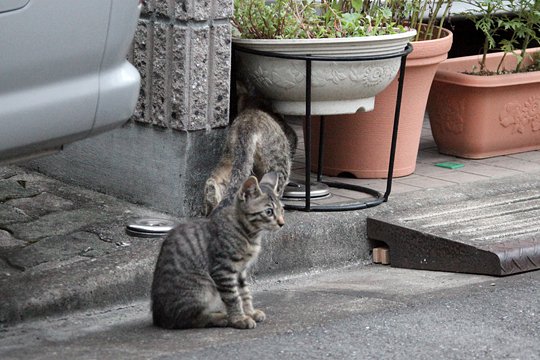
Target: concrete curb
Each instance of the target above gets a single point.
(309, 241)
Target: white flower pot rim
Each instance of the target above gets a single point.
(347, 46)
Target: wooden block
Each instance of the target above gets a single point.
(377, 255)
(385, 256)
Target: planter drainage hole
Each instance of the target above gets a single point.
(346, 175)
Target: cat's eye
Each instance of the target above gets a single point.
(269, 212)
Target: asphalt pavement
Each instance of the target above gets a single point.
(363, 312)
(74, 284)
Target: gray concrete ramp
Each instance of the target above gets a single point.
(497, 235)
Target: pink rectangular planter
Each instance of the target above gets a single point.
(483, 116)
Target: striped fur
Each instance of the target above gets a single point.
(200, 275)
(258, 142)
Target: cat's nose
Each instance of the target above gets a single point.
(280, 221)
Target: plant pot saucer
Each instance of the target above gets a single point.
(296, 190)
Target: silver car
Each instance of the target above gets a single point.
(63, 72)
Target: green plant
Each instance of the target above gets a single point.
(525, 26)
(491, 17)
(426, 16)
(338, 18)
(304, 19)
(535, 64)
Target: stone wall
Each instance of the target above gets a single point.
(182, 50)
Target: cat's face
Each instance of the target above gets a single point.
(261, 204)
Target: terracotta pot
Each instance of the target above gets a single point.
(482, 116)
(359, 144)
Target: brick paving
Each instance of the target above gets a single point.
(426, 175)
(63, 246)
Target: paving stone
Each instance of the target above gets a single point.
(484, 169)
(9, 214)
(460, 177)
(112, 232)
(7, 241)
(399, 188)
(7, 172)
(60, 248)
(529, 156)
(432, 156)
(507, 162)
(426, 182)
(41, 204)
(5, 270)
(59, 223)
(13, 189)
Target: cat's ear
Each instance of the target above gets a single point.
(250, 188)
(272, 179)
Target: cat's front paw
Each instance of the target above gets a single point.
(257, 315)
(242, 322)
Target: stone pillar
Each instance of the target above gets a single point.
(182, 50)
(163, 156)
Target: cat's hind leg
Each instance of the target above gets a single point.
(212, 319)
(214, 314)
(216, 185)
(177, 314)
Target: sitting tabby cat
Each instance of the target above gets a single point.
(258, 142)
(200, 275)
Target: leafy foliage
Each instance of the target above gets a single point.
(306, 19)
(520, 17)
(302, 19)
(426, 16)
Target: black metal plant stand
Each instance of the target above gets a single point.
(378, 198)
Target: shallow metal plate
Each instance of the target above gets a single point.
(150, 227)
(297, 191)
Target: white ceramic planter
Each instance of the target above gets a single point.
(337, 87)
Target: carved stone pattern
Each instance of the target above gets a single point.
(518, 116)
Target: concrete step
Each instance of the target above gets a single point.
(64, 248)
(498, 234)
